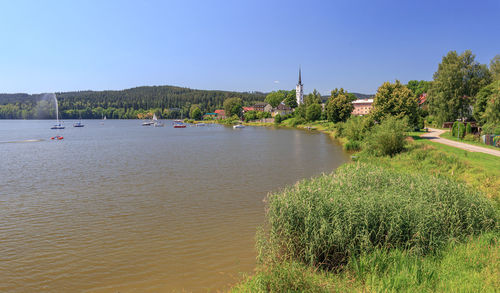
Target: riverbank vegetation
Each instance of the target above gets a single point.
(407, 214)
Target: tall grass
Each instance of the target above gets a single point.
(460, 267)
(330, 219)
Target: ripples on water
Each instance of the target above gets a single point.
(120, 207)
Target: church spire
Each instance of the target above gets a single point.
(300, 80)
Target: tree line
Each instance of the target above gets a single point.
(140, 102)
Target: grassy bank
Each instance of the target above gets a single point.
(384, 250)
(460, 267)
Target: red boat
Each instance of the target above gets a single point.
(57, 137)
(179, 125)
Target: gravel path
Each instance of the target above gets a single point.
(433, 135)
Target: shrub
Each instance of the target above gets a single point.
(277, 119)
(326, 220)
(388, 138)
(471, 137)
(353, 145)
(468, 129)
(357, 128)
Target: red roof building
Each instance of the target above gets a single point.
(221, 114)
(422, 99)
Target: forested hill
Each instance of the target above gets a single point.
(165, 101)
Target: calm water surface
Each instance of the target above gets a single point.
(120, 207)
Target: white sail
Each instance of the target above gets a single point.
(154, 117)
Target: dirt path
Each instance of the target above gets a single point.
(433, 135)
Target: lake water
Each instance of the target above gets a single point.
(120, 207)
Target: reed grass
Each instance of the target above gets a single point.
(327, 220)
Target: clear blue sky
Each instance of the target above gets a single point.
(48, 46)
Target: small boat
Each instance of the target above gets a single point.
(57, 137)
(177, 125)
(201, 124)
(57, 126)
(103, 119)
(147, 123)
(239, 126)
(156, 122)
(78, 123)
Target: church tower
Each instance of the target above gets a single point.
(300, 91)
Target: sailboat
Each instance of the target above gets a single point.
(103, 119)
(58, 125)
(79, 123)
(156, 122)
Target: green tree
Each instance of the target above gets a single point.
(313, 112)
(458, 78)
(482, 98)
(195, 112)
(495, 67)
(491, 114)
(233, 106)
(291, 99)
(419, 87)
(395, 99)
(275, 98)
(312, 98)
(339, 106)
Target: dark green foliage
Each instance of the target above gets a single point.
(339, 106)
(195, 112)
(353, 145)
(357, 128)
(395, 99)
(468, 129)
(419, 87)
(291, 99)
(275, 98)
(233, 106)
(300, 111)
(457, 80)
(170, 101)
(312, 98)
(313, 112)
(387, 138)
(277, 119)
(327, 220)
(250, 115)
(458, 129)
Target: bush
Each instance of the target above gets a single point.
(357, 128)
(326, 220)
(277, 119)
(353, 145)
(458, 129)
(468, 129)
(471, 137)
(388, 138)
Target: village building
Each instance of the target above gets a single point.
(221, 114)
(210, 116)
(247, 109)
(362, 107)
(282, 110)
(263, 107)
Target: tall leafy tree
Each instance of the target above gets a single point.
(339, 106)
(233, 106)
(313, 112)
(312, 98)
(291, 99)
(275, 98)
(395, 99)
(495, 67)
(195, 112)
(457, 80)
(418, 87)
